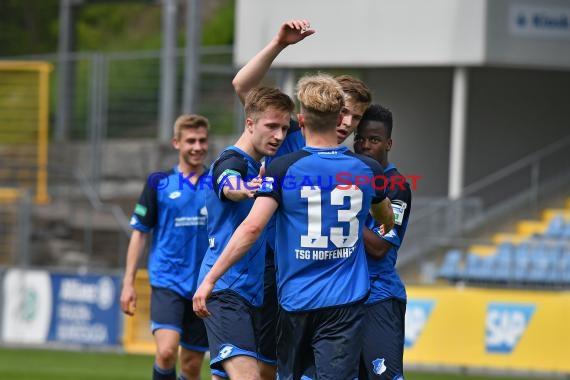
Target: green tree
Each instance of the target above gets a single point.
(28, 26)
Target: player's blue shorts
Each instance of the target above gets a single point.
(233, 328)
(268, 312)
(169, 310)
(383, 343)
(328, 339)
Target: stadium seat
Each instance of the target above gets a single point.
(566, 231)
(521, 262)
(503, 265)
(450, 269)
(555, 227)
(479, 268)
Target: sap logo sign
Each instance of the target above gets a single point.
(417, 314)
(505, 324)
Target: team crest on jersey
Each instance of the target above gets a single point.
(204, 211)
(378, 366)
(399, 207)
(175, 194)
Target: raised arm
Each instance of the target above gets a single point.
(255, 69)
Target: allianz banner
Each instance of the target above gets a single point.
(502, 329)
(42, 307)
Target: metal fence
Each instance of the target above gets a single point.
(526, 185)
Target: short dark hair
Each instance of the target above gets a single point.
(376, 112)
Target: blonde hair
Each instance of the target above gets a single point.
(260, 99)
(321, 98)
(187, 121)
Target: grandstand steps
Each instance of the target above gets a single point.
(76, 215)
(536, 253)
(524, 230)
(73, 234)
(486, 238)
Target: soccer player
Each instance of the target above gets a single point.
(384, 320)
(173, 208)
(233, 327)
(357, 98)
(322, 279)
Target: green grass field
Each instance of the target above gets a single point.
(20, 364)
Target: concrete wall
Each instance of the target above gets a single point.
(419, 100)
(511, 114)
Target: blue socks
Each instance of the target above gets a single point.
(163, 374)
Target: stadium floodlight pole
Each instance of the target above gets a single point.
(458, 132)
(192, 54)
(167, 71)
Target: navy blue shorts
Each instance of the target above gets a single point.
(330, 340)
(233, 328)
(169, 310)
(268, 312)
(383, 345)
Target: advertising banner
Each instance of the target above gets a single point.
(488, 328)
(42, 307)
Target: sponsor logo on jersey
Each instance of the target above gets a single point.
(328, 152)
(189, 221)
(140, 210)
(417, 315)
(505, 324)
(399, 207)
(175, 194)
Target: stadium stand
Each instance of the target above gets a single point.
(538, 254)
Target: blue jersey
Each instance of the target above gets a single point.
(294, 141)
(224, 216)
(175, 212)
(384, 279)
(319, 253)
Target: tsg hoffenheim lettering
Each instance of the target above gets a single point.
(315, 254)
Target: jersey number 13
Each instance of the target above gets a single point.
(315, 237)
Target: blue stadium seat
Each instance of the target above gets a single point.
(566, 231)
(451, 266)
(564, 268)
(503, 267)
(521, 262)
(479, 268)
(555, 227)
(543, 261)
